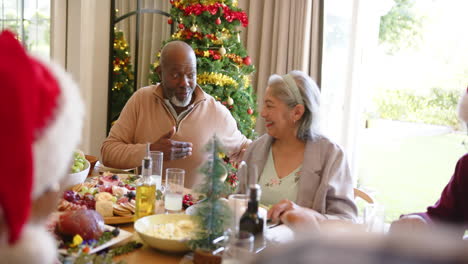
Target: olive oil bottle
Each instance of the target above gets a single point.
(251, 221)
(145, 191)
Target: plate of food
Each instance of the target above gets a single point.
(84, 231)
(111, 195)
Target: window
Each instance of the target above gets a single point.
(30, 20)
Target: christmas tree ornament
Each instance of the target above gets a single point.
(249, 111)
(222, 51)
(230, 101)
(238, 38)
(181, 26)
(194, 28)
(170, 21)
(247, 61)
(218, 21)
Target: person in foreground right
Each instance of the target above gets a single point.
(452, 207)
(304, 176)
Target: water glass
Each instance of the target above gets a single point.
(156, 174)
(240, 247)
(374, 218)
(238, 204)
(174, 190)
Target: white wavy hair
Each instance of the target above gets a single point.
(309, 122)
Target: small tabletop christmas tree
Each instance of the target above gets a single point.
(213, 213)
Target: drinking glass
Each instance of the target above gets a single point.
(240, 247)
(174, 190)
(238, 204)
(156, 174)
(374, 218)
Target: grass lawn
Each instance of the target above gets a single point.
(408, 173)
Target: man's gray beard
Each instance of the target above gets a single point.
(183, 103)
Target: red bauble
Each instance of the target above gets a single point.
(247, 61)
(170, 21)
(181, 26)
(218, 21)
(249, 111)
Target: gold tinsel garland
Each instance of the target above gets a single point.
(216, 78)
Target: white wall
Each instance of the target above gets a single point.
(84, 50)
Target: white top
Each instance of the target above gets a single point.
(275, 189)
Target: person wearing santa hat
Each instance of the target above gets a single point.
(452, 207)
(42, 116)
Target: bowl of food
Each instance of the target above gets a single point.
(167, 232)
(79, 169)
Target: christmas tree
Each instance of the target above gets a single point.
(223, 66)
(122, 81)
(213, 214)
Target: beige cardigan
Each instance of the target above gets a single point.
(145, 118)
(325, 184)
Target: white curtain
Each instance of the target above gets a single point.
(282, 36)
(352, 29)
(154, 29)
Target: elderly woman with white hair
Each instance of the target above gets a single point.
(304, 175)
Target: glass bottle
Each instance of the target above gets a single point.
(145, 191)
(251, 221)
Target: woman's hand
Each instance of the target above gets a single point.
(294, 215)
(280, 208)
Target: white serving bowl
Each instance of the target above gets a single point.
(78, 177)
(145, 225)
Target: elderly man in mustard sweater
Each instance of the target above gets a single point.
(175, 116)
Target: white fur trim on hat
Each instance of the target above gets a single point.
(63, 132)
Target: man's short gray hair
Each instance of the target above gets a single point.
(309, 122)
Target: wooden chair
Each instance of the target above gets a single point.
(363, 195)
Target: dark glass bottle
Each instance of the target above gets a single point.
(250, 221)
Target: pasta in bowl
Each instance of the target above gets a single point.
(166, 232)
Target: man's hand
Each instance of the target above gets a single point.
(408, 223)
(172, 149)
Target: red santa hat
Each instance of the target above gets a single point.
(42, 121)
(463, 107)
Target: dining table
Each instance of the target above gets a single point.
(146, 254)
(273, 236)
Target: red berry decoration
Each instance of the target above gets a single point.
(187, 201)
(170, 21)
(181, 26)
(218, 21)
(249, 111)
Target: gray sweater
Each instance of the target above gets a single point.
(325, 184)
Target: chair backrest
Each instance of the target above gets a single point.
(363, 195)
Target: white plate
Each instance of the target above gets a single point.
(123, 235)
